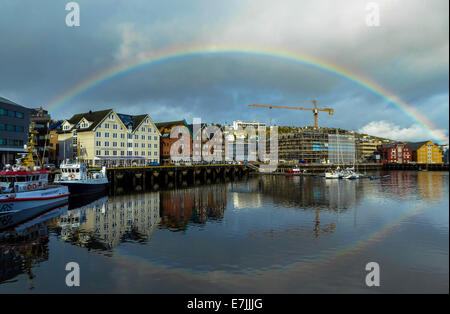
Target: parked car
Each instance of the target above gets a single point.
(153, 163)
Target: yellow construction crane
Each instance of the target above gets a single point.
(315, 110)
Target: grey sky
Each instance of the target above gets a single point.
(41, 58)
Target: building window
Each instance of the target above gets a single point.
(143, 137)
(122, 144)
(155, 138)
(129, 153)
(122, 153)
(98, 143)
(143, 129)
(115, 153)
(115, 126)
(106, 125)
(155, 153)
(106, 144)
(97, 152)
(106, 134)
(114, 135)
(106, 152)
(136, 145)
(143, 145)
(130, 144)
(136, 153)
(130, 136)
(98, 134)
(114, 144)
(122, 136)
(136, 137)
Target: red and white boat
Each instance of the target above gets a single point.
(25, 192)
(295, 170)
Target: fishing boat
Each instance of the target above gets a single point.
(295, 170)
(25, 191)
(75, 176)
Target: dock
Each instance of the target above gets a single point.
(172, 175)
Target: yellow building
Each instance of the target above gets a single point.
(108, 138)
(426, 152)
(366, 148)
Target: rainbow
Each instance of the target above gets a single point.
(177, 53)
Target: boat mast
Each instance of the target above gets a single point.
(28, 160)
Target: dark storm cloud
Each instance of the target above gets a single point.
(41, 58)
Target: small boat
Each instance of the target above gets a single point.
(295, 170)
(334, 174)
(75, 176)
(25, 192)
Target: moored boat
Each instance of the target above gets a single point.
(25, 192)
(334, 174)
(75, 176)
(295, 170)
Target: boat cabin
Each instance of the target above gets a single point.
(12, 181)
(73, 171)
(76, 171)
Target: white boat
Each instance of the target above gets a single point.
(334, 174)
(75, 176)
(25, 192)
(351, 174)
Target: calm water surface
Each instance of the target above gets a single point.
(262, 234)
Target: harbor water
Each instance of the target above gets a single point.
(256, 234)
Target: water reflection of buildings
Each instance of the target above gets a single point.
(306, 192)
(431, 184)
(26, 245)
(197, 205)
(106, 222)
(428, 185)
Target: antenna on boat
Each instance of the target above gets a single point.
(28, 160)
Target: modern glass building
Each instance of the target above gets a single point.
(14, 124)
(341, 148)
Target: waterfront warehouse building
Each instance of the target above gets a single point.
(109, 138)
(14, 127)
(165, 129)
(395, 153)
(426, 152)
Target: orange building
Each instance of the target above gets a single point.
(165, 128)
(426, 152)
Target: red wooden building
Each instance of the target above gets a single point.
(396, 153)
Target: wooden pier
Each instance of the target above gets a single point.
(169, 176)
(416, 166)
